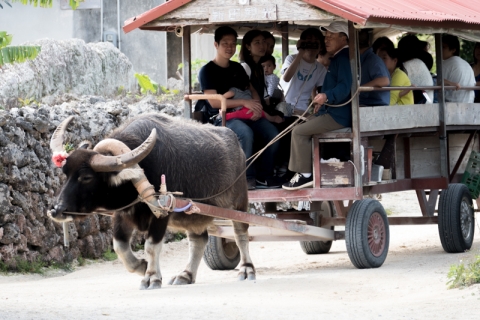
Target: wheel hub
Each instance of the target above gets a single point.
(466, 220)
(376, 234)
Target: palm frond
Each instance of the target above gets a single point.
(19, 54)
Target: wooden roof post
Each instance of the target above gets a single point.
(284, 41)
(442, 130)
(354, 62)
(187, 71)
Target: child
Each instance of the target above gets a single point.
(271, 79)
(241, 112)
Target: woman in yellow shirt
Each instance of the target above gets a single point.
(399, 77)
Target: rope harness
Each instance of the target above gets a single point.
(164, 205)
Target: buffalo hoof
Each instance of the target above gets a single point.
(155, 284)
(246, 273)
(181, 279)
(144, 284)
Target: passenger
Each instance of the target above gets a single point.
(253, 48)
(398, 76)
(476, 69)
(243, 112)
(374, 74)
(301, 75)
(456, 71)
(218, 76)
(301, 72)
(270, 41)
(382, 43)
(335, 91)
(274, 95)
(412, 55)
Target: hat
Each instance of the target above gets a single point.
(336, 27)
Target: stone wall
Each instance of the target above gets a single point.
(29, 180)
(69, 66)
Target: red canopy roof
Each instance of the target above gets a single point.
(463, 14)
(404, 11)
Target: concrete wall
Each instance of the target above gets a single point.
(27, 23)
(146, 50)
(154, 53)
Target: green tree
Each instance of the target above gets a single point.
(42, 3)
(12, 54)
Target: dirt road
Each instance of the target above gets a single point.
(290, 285)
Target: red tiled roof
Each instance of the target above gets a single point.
(394, 11)
(435, 13)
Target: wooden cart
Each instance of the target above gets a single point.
(429, 144)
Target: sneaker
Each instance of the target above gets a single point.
(251, 184)
(268, 183)
(298, 182)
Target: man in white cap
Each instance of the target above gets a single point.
(335, 91)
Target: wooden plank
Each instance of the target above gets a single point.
(187, 70)
(336, 173)
(354, 63)
(462, 113)
(398, 117)
(257, 233)
(242, 13)
(416, 116)
(197, 12)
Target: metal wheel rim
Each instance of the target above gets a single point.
(466, 219)
(230, 249)
(376, 234)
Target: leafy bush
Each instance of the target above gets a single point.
(146, 84)
(463, 276)
(110, 255)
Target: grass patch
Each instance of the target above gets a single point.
(110, 255)
(461, 275)
(179, 236)
(139, 246)
(81, 261)
(389, 212)
(23, 266)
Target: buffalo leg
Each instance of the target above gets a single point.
(153, 248)
(247, 270)
(122, 231)
(153, 276)
(196, 245)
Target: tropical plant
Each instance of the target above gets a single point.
(12, 54)
(146, 84)
(43, 3)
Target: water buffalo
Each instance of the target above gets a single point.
(198, 160)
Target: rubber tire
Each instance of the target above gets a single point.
(319, 247)
(450, 218)
(217, 258)
(356, 234)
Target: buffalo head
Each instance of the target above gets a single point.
(91, 174)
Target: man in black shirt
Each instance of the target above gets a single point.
(217, 77)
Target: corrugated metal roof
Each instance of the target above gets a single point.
(463, 14)
(391, 11)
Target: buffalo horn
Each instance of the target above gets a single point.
(122, 157)
(56, 143)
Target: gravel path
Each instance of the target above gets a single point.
(290, 285)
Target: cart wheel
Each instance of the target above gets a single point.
(319, 247)
(456, 220)
(367, 234)
(220, 254)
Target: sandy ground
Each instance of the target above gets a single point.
(290, 285)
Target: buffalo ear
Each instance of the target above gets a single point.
(85, 145)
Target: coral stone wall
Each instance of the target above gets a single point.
(29, 180)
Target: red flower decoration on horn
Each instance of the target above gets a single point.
(59, 158)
